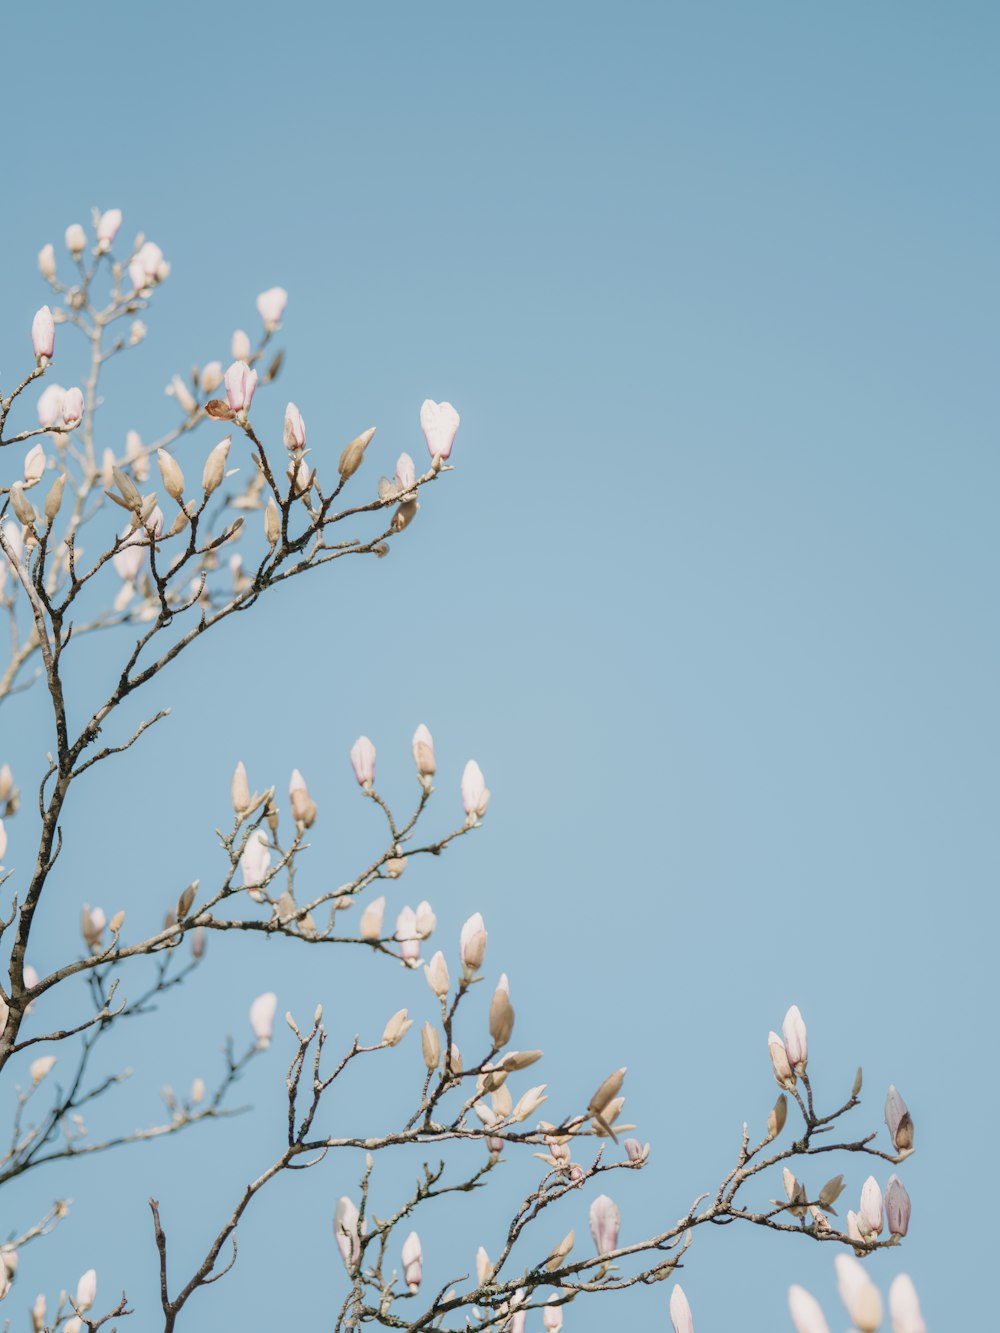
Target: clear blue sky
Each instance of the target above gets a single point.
(711, 595)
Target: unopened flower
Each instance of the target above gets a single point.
(295, 429)
(636, 1151)
(170, 471)
(43, 333)
(805, 1311)
(241, 382)
(501, 1015)
(370, 926)
(47, 262)
(680, 1312)
(76, 239)
(354, 452)
(430, 1045)
(552, 1315)
(271, 306)
(436, 973)
(86, 1290)
(859, 1293)
(363, 761)
(178, 390)
(107, 227)
(211, 376)
(41, 1066)
(605, 1223)
(50, 405)
(777, 1116)
(475, 793)
(529, 1103)
(240, 346)
(796, 1040)
(92, 926)
(472, 944)
(397, 1028)
(34, 463)
(897, 1207)
(72, 408)
(406, 473)
(423, 755)
(262, 1017)
(413, 1258)
(150, 258)
(303, 807)
(898, 1122)
(256, 860)
(484, 1269)
(272, 523)
(904, 1308)
(871, 1205)
(347, 1233)
(406, 935)
(439, 422)
(780, 1062)
(215, 466)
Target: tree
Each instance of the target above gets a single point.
(171, 575)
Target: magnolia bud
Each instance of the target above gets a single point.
(680, 1312)
(394, 867)
(178, 390)
(34, 464)
(198, 942)
(552, 1315)
(439, 422)
(262, 1018)
(347, 1233)
(255, 862)
(47, 262)
(831, 1191)
(396, 1028)
(363, 761)
(423, 755)
(796, 1041)
(904, 1307)
(55, 497)
(871, 1205)
(436, 973)
(43, 333)
(303, 807)
(40, 1067)
(430, 1044)
(475, 793)
(186, 899)
(406, 936)
(211, 376)
(370, 926)
(426, 920)
(295, 429)
(271, 306)
(805, 1311)
(86, 1291)
(116, 922)
(605, 1221)
(897, 1117)
(76, 239)
(776, 1117)
(241, 382)
(472, 944)
(897, 1207)
(215, 466)
(173, 477)
(779, 1061)
(72, 406)
(241, 790)
(412, 1262)
(21, 505)
(529, 1103)
(501, 1018)
(351, 458)
(859, 1294)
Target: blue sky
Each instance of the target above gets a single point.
(710, 594)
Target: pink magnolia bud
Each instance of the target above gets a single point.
(552, 1315)
(76, 239)
(363, 761)
(262, 1017)
(859, 1293)
(472, 944)
(295, 429)
(680, 1312)
(256, 860)
(897, 1207)
(898, 1122)
(43, 333)
(605, 1222)
(47, 262)
(805, 1311)
(871, 1205)
(439, 422)
(130, 558)
(347, 1233)
(271, 306)
(406, 935)
(779, 1061)
(436, 974)
(241, 382)
(406, 473)
(413, 1259)
(86, 1290)
(34, 463)
(50, 405)
(425, 919)
(636, 1151)
(904, 1307)
(796, 1040)
(211, 376)
(107, 226)
(72, 406)
(92, 925)
(138, 276)
(240, 346)
(853, 1227)
(150, 256)
(475, 793)
(423, 753)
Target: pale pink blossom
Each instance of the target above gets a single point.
(34, 463)
(439, 422)
(472, 943)
(47, 262)
(423, 752)
(150, 257)
(413, 1259)
(807, 1316)
(871, 1205)
(552, 1315)
(43, 333)
(680, 1312)
(3, 841)
(898, 1121)
(904, 1308)
(295, 429)
(107, 226)
(363, 761)
(406, 473)
(211, 376)
(605, 1222)
(859, 1293)
(475, 793)
(86, 1290)
(240, 346)
(271, 306)
(50, 405)
(241, 382)
(92, 925)
(796, 1040)
(72, 409)
(262, 1017)
(779, 1061)
(347, 1233)
(897, 1207)
(138, 276)
(76, 239)
(406, 935)
(256, 860)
